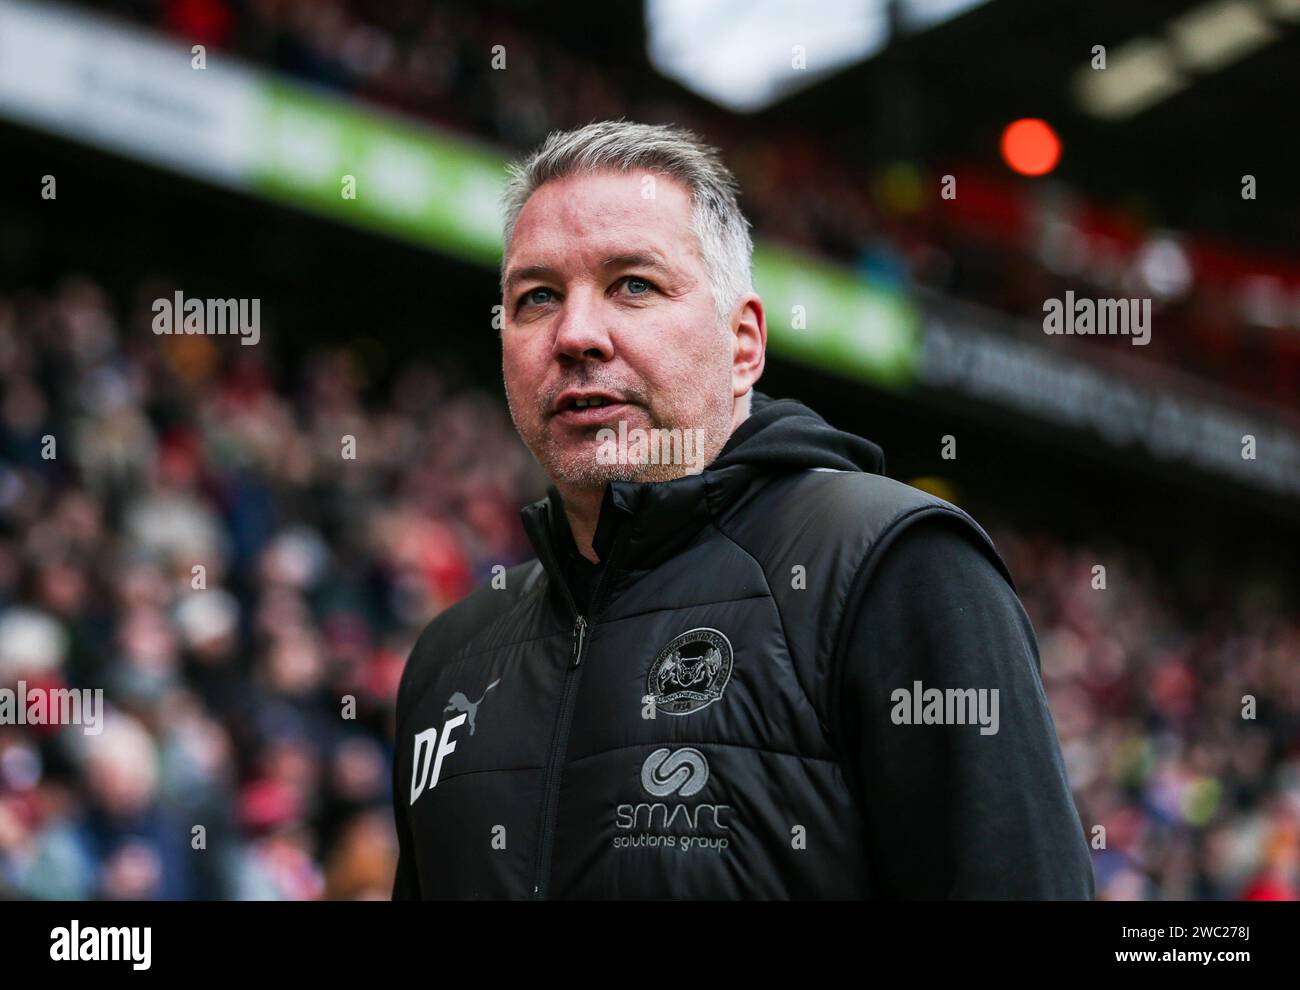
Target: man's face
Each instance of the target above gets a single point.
(607, 298)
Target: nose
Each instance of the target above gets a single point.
(581, 333)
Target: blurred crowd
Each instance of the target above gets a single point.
(197, 542)
(1222, 317)
(1178, 709)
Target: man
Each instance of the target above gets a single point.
(744, 663)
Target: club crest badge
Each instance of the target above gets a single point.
(690, 672)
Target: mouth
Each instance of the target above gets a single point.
(576, 407)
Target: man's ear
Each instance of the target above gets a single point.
(749, 352)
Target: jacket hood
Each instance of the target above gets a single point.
(784, 435)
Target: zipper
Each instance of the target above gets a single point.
(560, 743)
(579, 639)
(558, 747)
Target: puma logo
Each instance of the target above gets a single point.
(431, 750)
(459, 703)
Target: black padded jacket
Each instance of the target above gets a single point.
(796, 678)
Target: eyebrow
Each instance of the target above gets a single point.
(631, 259)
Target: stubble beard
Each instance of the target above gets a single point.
(574, 464)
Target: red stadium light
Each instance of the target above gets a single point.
(1030, 146)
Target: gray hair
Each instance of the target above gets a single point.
(720, 227)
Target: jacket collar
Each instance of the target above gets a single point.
(642, 524)
(646, 523)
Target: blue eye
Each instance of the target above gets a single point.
(527, 297)
(637, 281)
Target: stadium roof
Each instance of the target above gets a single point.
(742, 54)
(1191, 97)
